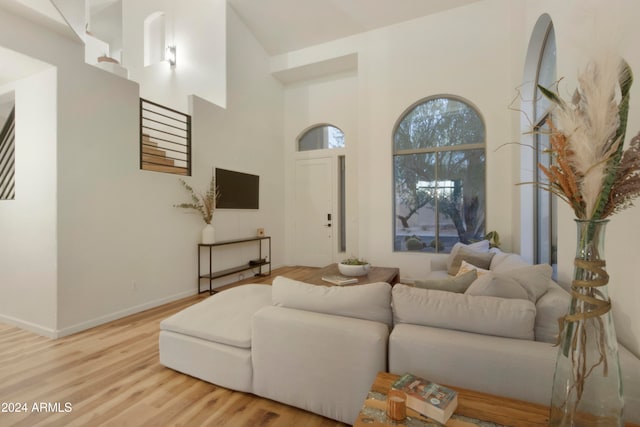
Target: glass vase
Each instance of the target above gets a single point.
(587, 388)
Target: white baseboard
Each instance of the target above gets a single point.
(29, 326)
(120, 314)
(59, 333)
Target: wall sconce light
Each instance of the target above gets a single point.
(171, 55)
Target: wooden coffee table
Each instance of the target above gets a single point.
(376, 274)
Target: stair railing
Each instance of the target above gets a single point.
(7, 158)
(165, 139)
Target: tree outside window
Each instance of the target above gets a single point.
(439, 173)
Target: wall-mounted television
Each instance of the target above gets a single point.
(237, 190)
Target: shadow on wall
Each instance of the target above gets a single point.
(625, 335)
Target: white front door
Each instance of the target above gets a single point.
(313, 212)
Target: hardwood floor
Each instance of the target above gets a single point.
(111, 376)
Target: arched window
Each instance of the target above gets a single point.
(321, 137)
(439, 175)
(154, 38)
(541, 67)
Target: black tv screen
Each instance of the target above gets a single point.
(237, 190)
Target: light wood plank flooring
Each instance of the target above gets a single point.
(111, 376)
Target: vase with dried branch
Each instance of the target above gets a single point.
(204, 204)
(597, 177)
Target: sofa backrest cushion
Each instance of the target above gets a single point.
(371, 301)
(511, 318)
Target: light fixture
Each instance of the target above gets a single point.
(171, 55)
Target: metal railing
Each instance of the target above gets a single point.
(165, 139)
(7, 158)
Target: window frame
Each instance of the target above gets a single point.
(430, 150)
(544, 248)
(306, 131)
(541, 116)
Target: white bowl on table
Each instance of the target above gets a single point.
(354, 270)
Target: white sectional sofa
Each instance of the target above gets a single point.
(319, 348)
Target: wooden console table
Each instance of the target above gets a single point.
(211, 275)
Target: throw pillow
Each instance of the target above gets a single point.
(505, 261)
(481, 246)
(457, 284)
(479, 259)
(533, 278)
(492, 285)
(466, 267)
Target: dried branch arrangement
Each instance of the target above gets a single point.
(204, 203)
(597, 177)
(590, 169)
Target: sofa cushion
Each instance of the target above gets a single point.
(504, 261)
(533, 278)
(370, 301)
(492, 285)
(481, 246)
(511, 318)
(551, 306)
(465, 267)
(224, 318)
(457, 284)
(471, 256)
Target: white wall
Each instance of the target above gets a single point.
(398, 66)
(198, 30)
(245, 137)
(482, 61)
(331, 100)
(116, 225)
(28, 250)
(121, 245)
(74, 13)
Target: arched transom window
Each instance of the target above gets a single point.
(321, 137)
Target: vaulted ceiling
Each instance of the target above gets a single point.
(288, 25)
(279, 25)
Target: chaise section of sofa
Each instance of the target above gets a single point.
(211, 340)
